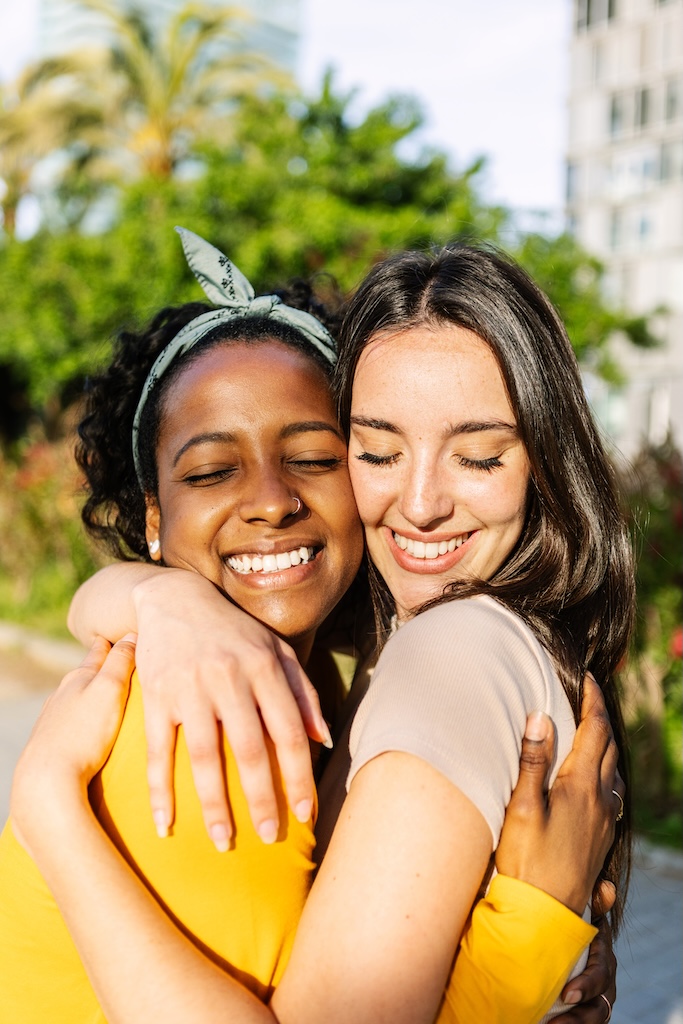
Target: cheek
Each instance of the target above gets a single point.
(497, 498)
(345, 526)
(373, 490)
(187, 526)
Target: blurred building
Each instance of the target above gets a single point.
(625, 194)
(273, 27)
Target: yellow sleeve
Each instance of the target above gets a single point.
(515, 956)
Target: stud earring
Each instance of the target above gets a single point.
(154, 547)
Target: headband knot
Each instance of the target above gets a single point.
(228, 289)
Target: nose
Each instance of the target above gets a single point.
(268, 497)
(428, 493)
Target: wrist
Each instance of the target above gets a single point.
(46, 807)
(160, 582)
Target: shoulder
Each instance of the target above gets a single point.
(454, 686)
(475, 634)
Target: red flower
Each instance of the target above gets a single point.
(676, 646)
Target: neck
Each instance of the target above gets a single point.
(302, 647)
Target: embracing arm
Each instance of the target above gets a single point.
(552, 847)
(200, 660)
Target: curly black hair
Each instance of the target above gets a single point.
(114, 510)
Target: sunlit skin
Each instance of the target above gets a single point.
(436, 462)
(244, 431)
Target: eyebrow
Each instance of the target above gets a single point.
(225, 437)
(217, 436)
(292, 429)
(452, 430)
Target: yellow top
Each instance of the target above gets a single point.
(242, 907)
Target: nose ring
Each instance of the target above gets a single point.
(298, 505)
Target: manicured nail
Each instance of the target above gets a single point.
(536, 726)
(573, 996)
(161, 824)
(220, 837)
(326, 735)
(302, 811)
(267, 830)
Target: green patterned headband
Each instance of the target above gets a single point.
(228, 288)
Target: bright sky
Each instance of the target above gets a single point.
(491, 75)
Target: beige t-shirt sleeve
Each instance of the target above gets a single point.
(454, 686)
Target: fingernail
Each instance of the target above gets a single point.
(161, 824)
(536, 726)
(220, 837)
(326, 735)
(302, 811)
(267, 830)
(574, 996)
(130, 637)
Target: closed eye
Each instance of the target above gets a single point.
(331, 462)
(486, 465)
(215, 476)
(377, 460)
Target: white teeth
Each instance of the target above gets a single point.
(421, 549)
(270, 563)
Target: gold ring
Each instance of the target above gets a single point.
(609, 1005)
(620, 815)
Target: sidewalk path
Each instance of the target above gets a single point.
(650, 950)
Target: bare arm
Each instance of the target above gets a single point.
(200, 660)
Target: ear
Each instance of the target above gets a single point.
(152, 527)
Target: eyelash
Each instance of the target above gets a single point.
(223, 474)
(330, 463)
(202, 478)
(483, 465)
(376, 460)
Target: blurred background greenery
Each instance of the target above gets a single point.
(116, 147)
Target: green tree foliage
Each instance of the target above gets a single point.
(300, 188)
(653, 682)
(130, 109)
(573, 279)
(43, 111)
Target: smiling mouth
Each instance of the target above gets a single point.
(245, 564)
(430, 549)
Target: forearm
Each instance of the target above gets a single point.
(141, 967)
(516, 955)
(104, 605)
